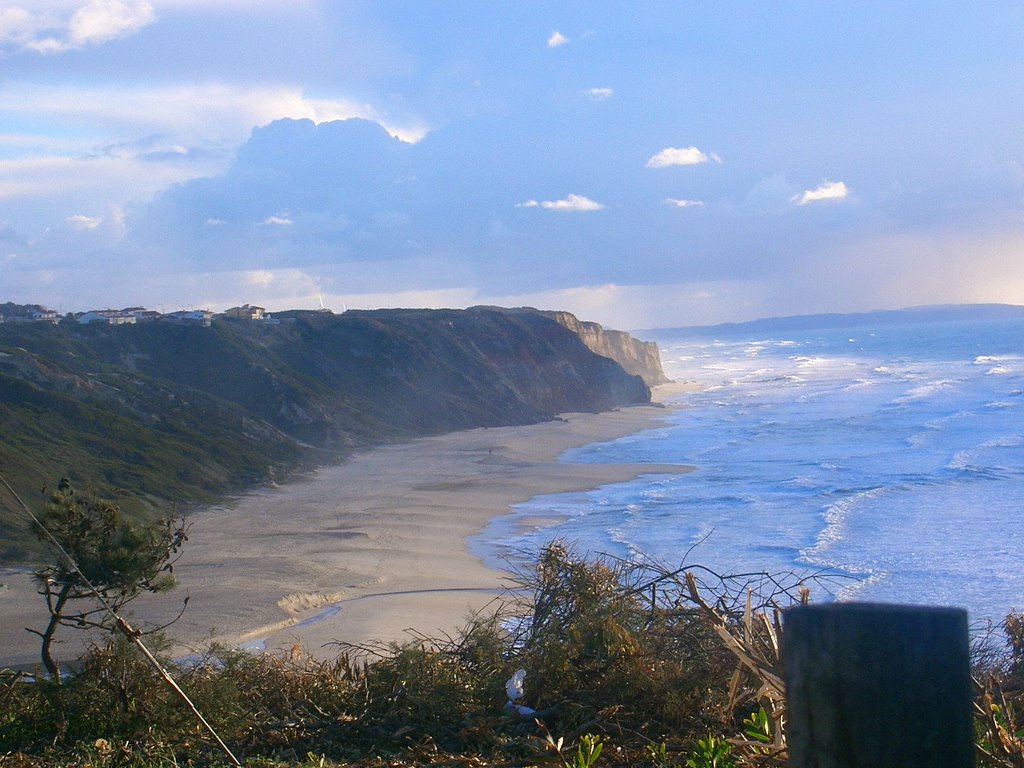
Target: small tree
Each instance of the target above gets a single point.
(105, 556)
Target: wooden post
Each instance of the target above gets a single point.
(877, 686)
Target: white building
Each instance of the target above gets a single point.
(107, 317)
(200, 316)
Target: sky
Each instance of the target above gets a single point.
(652, 164)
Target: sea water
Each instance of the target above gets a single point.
(890, 456)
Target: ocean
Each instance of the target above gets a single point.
(887, 452)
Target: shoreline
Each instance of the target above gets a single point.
(368, 551)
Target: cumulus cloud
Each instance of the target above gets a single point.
(827, 190)
(82, 222)
(556, 39)
(598, 94)
(361, 232)
(65, 26)
(680, 156)
(571, 203)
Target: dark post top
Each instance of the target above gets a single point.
(877, 686)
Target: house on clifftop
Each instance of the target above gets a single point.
(199, 316)
(143, 315)
(45, 316)
(107, 316)
(247, 312)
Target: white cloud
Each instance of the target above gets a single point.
(557, 39)
(260, 277)
(598, 94)
(55, 27)
(112, 146)
(572, 203)
(17, 25)
(212, 222)
(679, 203)
(38, 178)
(828, 190)
(680, 156)
(103, 20)
(281, 220)
(82, 222)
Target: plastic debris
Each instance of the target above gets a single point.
(514, 689)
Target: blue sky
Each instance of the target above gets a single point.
(647, 165)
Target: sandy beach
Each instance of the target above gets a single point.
(360, 552)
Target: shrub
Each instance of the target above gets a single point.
(626, 654)
(595, 648)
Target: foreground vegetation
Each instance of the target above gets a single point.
(625, 664)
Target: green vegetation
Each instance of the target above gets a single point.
(712, 752)
(625, 665)
(100, 554)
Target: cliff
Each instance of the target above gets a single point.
(641, 358)
(153, 413)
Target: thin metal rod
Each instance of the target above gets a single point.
(123, 626)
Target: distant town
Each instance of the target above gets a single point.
(34, 313)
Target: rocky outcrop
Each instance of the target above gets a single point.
(641, 358)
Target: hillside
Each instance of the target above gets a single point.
(938, 313)
(161, 413)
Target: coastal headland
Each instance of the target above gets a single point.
(366, 551)
(170, 413)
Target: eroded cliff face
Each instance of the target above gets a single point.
(158, 412)
(640, 358)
